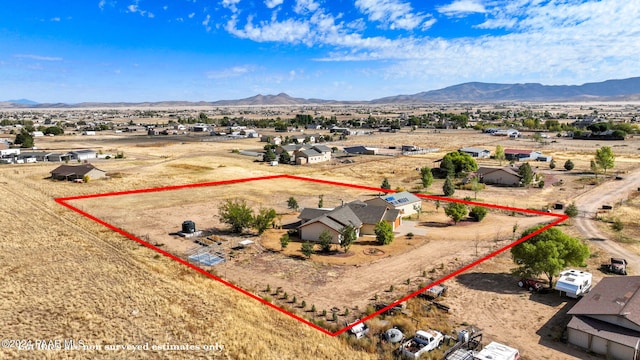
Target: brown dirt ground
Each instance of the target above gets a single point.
(70, 277)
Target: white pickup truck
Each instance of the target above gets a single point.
(424, 341)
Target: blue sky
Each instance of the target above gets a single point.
(153, 50)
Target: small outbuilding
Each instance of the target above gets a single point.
(73, 172)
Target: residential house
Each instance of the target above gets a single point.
(606, 320)
(306, 154)
(276, 140)
(499, 176)
(361, 215)
(405, 202)
(520, 155)
(476, 152)
(83, 155)
(360, 150)
(73, 172)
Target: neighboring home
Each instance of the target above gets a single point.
(6, 151)
(476, 152)
(340, 130)
(201, 128)
(37, 134)
(499, 176)
(83, 155)
(73, 172)
(360, 150)
(405, 202)
(316, 154)
(34, 156)
(250, 133)
(606, 321)
(520, 155)
(276, 140)
(361, 215)
(306, 154)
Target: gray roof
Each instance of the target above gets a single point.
(618, 296)
(355, 213)
(473, 150)
(400, 199)
(337, 218)
(312, 213)
(355, 149)
(68, 170)
(322, 148)
(309, 153)
(83, 152)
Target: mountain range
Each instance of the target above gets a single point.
(472, 92)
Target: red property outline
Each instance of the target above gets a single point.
(63, 202)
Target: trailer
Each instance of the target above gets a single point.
(574, 283)
(497, 351)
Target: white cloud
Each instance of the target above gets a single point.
(55, 19)
(230, 4)
(393, 14)
(165, 8)
(38, 57)
(306, 6)
(206, 21)
(232, 72)
(288, 31)
(101, 4)
(192, 15)
(462, 8)
(273, 3)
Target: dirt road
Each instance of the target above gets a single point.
(608, 193)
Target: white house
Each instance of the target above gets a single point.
(83, 155)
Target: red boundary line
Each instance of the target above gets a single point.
(63, 202)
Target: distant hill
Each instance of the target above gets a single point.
(478, 92)
(22, 102)
(610, 90)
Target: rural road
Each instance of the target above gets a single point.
(608, 193)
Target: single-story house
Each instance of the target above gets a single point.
(405, 202)
(476, 152)
(360, 150)
(83, 155)
(73, 172)
(499, 176)
(306, 154)
(361, 215)
(520, 155)
(276, 140)
(606, 320)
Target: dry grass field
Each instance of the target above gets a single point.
(68, 277)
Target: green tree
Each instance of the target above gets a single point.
(568, 165)
(478, 213)
(548, 253)
(24, 139)
(605, 158)
(526, 173)
(284, 240)
(462, 162)
(53, 130)
(325, 241)
(476, 187)
(571, 210)
(426, 177)
(448, 188)
(320, 201)
(447, 165)
(264, 219)
(292, 203)
(269, 156)
(552, 164)
(307, 249)
(347, 237)
(617, 225)
(384, 233)
(285, 158)
(456, 211)
(499, 155)
(237, 214)
(385, 184)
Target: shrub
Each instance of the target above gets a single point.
(478, 213)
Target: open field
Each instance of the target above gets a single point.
(324, 281)
(69, 277)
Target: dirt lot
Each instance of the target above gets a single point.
(109, 289)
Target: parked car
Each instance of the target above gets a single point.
(531, 284)
(616, 266)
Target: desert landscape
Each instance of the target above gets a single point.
(69, 277)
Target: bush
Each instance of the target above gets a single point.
(478, 213)
(568, 165)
